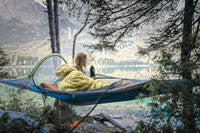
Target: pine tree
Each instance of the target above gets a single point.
(174, 46)
(4, 60)
(51, 21)
(57, 31)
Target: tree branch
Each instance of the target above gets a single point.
(75, 36)
(196, 33)
(126, 7)
(131, 23)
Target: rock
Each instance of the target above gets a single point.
(128, 128)
(17, 115)
(36, 131)
(92, 127)
(116, 117)
(48, 128)
(108, 124)
(17, 125)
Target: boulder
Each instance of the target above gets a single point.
(12, 115)
(92, 127)
(9, 123)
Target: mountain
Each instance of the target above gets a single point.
(25, 20)
(27, 11)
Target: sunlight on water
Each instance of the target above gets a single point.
(133, 72)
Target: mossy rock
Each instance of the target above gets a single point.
(17, 126)
(13, 126)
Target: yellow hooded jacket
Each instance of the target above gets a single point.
(71, 79)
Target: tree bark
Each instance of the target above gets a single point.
(51, 25)
(186, 49)
(56, 19)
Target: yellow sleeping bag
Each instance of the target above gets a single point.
(71, 79)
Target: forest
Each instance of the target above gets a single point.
(147, 52)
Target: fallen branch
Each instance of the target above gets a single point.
(106, 118)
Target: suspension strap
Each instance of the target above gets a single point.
(59, 110)
(100, 97)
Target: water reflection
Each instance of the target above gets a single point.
(22, 59)
(19, 71)
(110, 70)
(135, 72)
(22, 65)
(124, 72)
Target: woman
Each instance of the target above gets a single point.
(74, 78)
(80, 61)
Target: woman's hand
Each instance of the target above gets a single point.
(93, 77)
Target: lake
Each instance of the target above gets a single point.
(134, 72)
(127, 108)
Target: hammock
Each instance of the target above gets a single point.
(49, 64)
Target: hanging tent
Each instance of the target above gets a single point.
(44, 71)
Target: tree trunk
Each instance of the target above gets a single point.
(75, 36)
(56, 19)
(51, 25)
(188, 110)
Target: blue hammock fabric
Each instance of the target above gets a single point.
(89, 97)
(129, 92)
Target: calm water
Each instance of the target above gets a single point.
(135, 72)
(127, 108)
